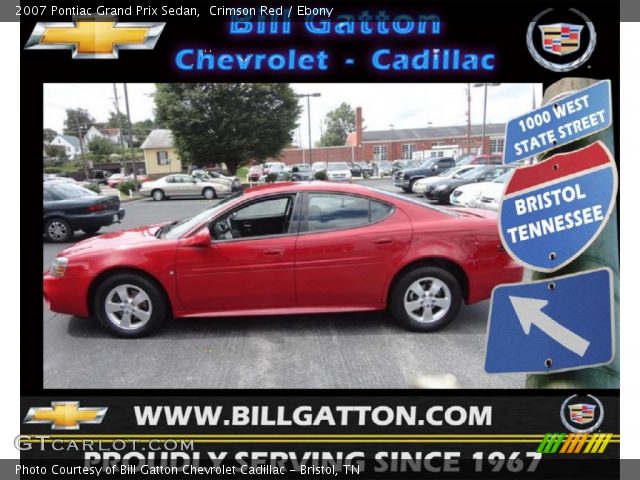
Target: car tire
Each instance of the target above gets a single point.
(91, 231)
(426, 299)
(209, 193)
(157, 195)
(130, 305)
(58, 230)
(411, 184)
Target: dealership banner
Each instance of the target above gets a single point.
(340, 239)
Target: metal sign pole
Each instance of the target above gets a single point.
(602, 253)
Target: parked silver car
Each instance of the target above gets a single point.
(181, 185)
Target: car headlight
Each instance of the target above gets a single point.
(58, 266)
(440, 188)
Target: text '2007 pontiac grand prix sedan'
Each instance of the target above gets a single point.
(289, 248)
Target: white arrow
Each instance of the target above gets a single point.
(529, 312)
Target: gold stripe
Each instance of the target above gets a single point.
(605, 443)
(568, 442)
(583, 439)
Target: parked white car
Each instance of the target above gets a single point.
(181, 185)
(338, 172)
(470, 195)
(419, 186)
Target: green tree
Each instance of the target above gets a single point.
(115, 119)
(75, 117)
(339, 123)
(227, 122)
(100, 146)
(48, 134)
(55, 151)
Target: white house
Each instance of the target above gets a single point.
(70, 144)
(111, 134)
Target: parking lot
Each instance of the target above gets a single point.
(364, 350)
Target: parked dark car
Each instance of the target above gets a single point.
(69, 207)
(493, 159)
(441, 191)
(361, 169)
(301, 172)
(429, 168)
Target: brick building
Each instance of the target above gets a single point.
(395, 144)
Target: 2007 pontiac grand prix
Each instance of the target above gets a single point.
(288, 248)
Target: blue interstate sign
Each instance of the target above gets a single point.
(563, 121)
(552, 211)
(564, 323)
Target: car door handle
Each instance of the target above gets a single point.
(383, 241)
(274, 251)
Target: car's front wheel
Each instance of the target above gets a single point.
(426, 299)
(130, 305)
(58, 230)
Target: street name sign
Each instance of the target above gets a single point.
(552, 325)
(552, 211)
(560, 122)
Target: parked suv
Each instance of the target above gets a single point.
(429, 168)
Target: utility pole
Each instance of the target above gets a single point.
(85, 167)
(602, 253)
(133, 155)
(484, 113)
(123, 150)
(468, 118)
(309, 95)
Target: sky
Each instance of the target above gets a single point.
(389, 105)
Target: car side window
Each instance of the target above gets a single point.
(267, 217)
(333, 211)
(170, 180)
(379, 210)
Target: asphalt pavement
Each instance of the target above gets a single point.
(363, 350)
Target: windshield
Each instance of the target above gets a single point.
(428, 163)
(504, 178)
(303, 167)
(70, 190)
(332, 167)
(384, 163)
(473, 173)
(447, 211)
(176, 230)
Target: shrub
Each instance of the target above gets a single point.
(127, 185)
(320, 175)
(52, 170)
(94, 187)
(272, 177)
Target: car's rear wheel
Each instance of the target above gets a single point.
(58, 230)
(426, 299)
(130, 305)
(91, 230)
(157, 195)
(209, 193)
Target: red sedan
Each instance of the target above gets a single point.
(288, 248)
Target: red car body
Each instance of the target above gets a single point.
(342, 270)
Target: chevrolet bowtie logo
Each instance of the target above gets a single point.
(94, 38)
(65, 415)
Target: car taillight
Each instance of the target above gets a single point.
(97, 207)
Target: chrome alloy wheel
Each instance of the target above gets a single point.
(128, 307)
(427, 300)
(57, 230)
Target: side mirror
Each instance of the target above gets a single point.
(200, 239)
(434, 168)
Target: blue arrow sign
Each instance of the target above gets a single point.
(563, 323)
(552, 211)
(564, 121)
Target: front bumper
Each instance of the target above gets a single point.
(438, 195)
(401, 182)
(66, 295)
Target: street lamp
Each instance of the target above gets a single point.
(308, 95)
(484, 114)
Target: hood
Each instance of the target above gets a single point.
(417, 170)
(476, 188)
(493, 189)
(113, 241)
